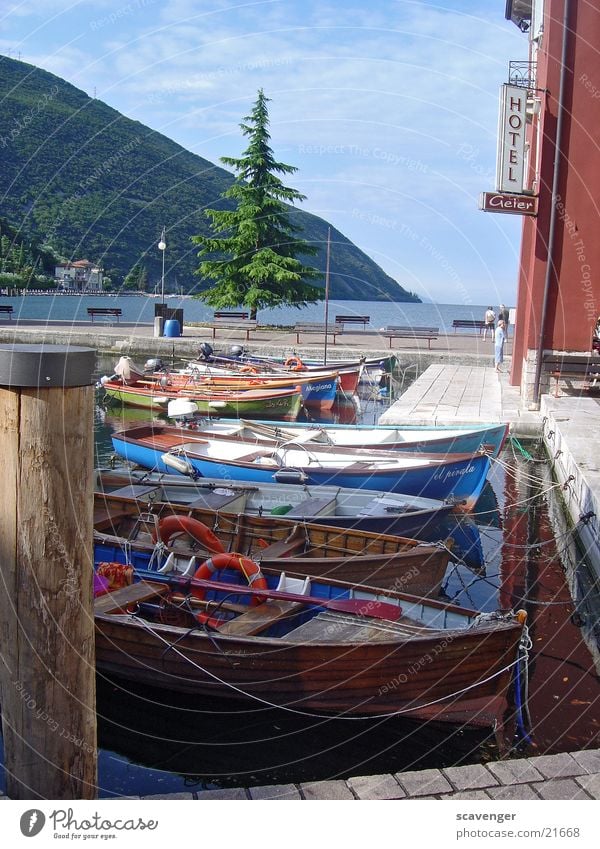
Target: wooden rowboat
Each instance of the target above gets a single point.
(349, 373)
(126, 528)
(311, 646)
(163, 449)
(433, 440)
(251, 403)
(424, 519)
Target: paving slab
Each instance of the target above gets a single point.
(227, 794)
(514, 792)
(514, 771)
(168, 796)
(329, 790)
(588, 759)
(561, 788)
(376, 787)
(557, 766)
(279, 792)
(466, 794)
(424, 782)
(470, 777)
(591, 784)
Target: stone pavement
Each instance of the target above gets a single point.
(129, 338)
(463, 393)
(563, 776)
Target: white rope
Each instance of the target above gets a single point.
(313, 714)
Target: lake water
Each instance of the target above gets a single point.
(141, 309)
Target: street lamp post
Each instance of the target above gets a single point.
(162, 246)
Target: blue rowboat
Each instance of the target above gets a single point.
(458, 476)
(433, 440)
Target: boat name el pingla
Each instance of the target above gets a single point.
(452, 473)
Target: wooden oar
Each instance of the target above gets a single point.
(357, 606)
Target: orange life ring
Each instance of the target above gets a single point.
(248, 370)
(169, 525)
(294, 363)
(247, 567)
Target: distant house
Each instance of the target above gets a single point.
(79, 276)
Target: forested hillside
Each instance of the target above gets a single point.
(82, 181)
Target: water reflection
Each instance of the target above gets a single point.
(198, 742)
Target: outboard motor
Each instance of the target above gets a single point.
(154, 364)
(205, 351)
(182, 410)
(236, 351)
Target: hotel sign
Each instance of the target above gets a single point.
(511, 203)
(510, 168)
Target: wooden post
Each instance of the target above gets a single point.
(47, 660)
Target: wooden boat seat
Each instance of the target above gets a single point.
(328, 627)
(119, 600)
(260, 618)
(312, 507)
(216, 501)
(292, 544)
(135, 491)
(105, 516)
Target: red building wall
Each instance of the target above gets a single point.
(574, 293)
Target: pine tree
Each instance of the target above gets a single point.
(252, 257)
(137, 278)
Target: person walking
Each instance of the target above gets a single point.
(490, 319)
(499, 340)
(503, 314)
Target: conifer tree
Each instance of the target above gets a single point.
(252, 256)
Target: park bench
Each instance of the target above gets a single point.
(399, 332)
(231, 316)
(114, 312)
(315, 327)
(469, 324)
(7, 308)
(353, 319)
(573, 366)
(232, 321)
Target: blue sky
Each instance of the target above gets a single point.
(387, 108)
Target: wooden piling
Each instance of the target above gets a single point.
(47, 661)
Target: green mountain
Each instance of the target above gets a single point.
(79, 178)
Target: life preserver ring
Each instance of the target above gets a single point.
(169, 525)
(247, 567)
(294, 363)
(248, 370)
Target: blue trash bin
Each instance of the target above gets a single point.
(172, 328)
